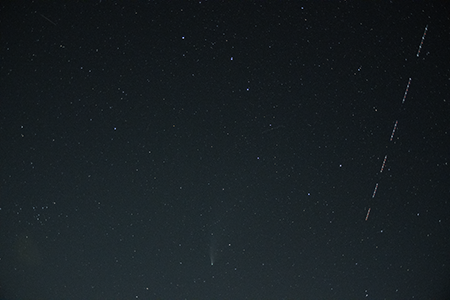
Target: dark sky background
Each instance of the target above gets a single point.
(224, 150)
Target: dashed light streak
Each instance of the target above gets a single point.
(375, 190)
(396, 122)
(421, 42)
(384, 163)
(406, 92)
(393, 130)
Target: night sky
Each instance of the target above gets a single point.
(224, 150)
